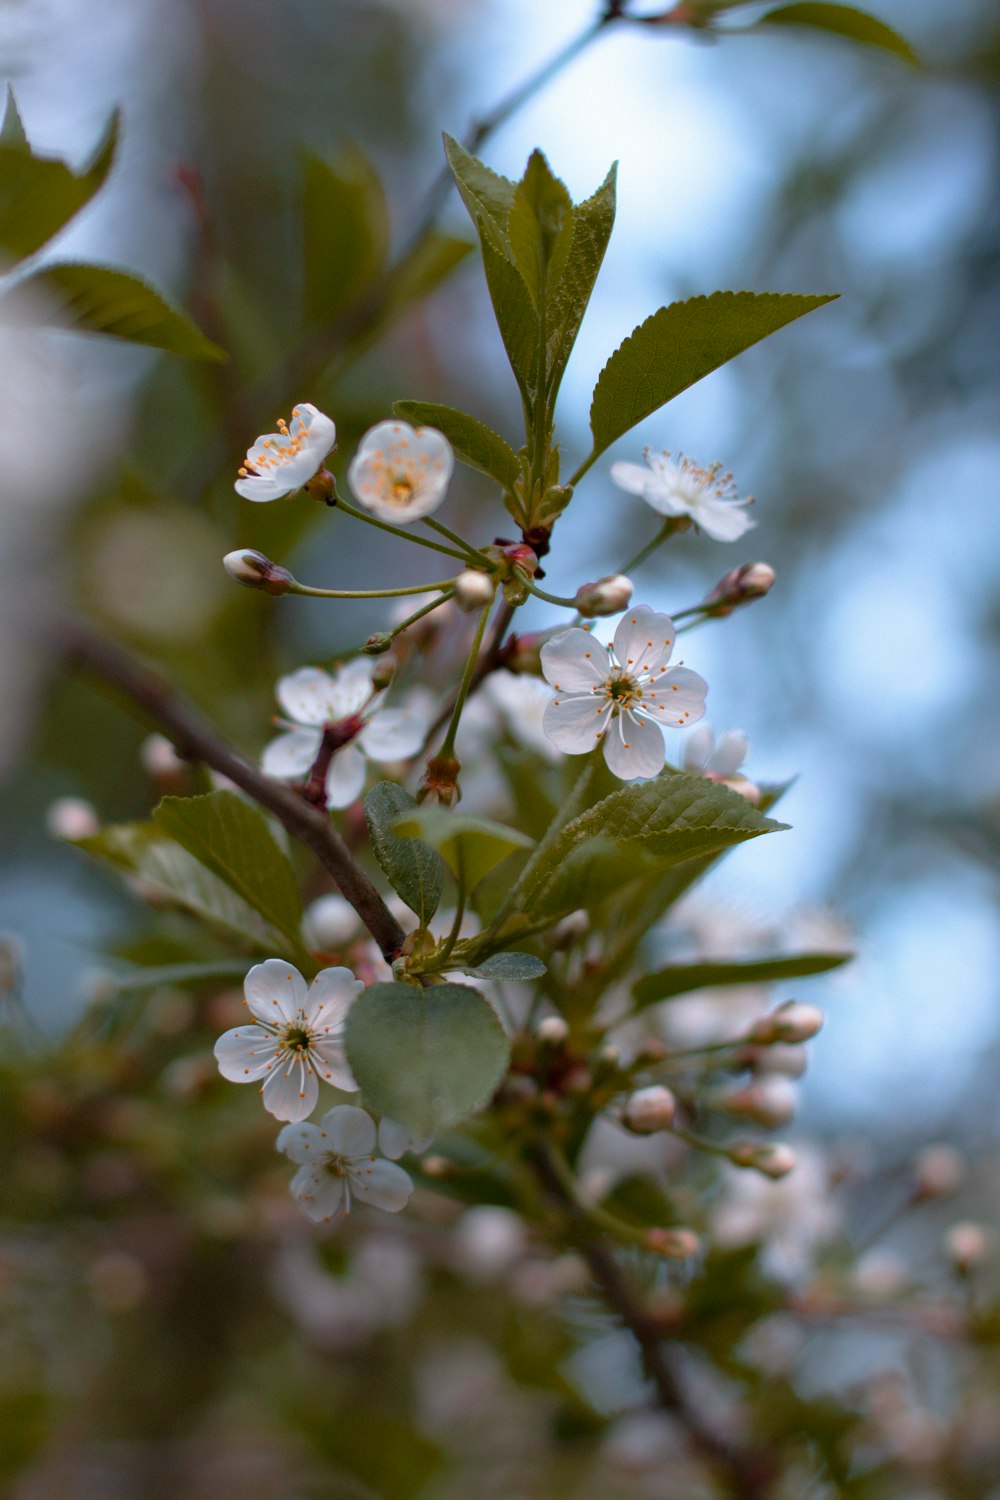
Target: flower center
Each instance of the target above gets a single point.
(401, 489)
(296, 1039)
(337, 1166)
(623, 691)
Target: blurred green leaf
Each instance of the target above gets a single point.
(508, 966)
(379, 1448)
(671, 819)
(234, 840)
(540, 231)
(679, 345)
(425, 1057)
(593, 221)
(471, 847)
(134, 981)
(345, 231)
(431, 263)
(40, 194)
(846, 21)
(681, 979)
(413, 869)
(101, 299)
(475, 444)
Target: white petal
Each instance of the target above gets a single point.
(644, 640)
(330, 1061)
(331, 995)
(698, 748)
(351, 687)
(633, 748)
(301, 1143)
(393, 734)
(378, 438)
(261, 489)
(574, 662)
(290, 1090)
(350, 1131)
(318, 1193)
(320, 429)
(723, 520)
(245, 1053)
(400, 473)
(291, 755)
(345, 780)
(631, 477)
(677, 698)
(275, 991)
(382, 1184)
(729, 754)
(574, 725)
(307, 696)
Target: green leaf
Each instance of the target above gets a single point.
(425, 1057)
(591, 873)
(681, 979)
(172, 874)
(508, 966)
(487, 196)
(234, 840)
(540, 230)
(593, 221)
(40, 194)
(678, 346)
(431, 263)
(471, 847)
(671, 819)
(515, 317)
(845, 21)
(345, 231)
(475, 444)
(101, 299)
(413, 869)
(135, 980)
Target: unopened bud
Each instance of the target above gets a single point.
(675, 1244)
(608, 596)
(939, 1171)
(553, 1031)
(383, 672)
(770, 1103)
(440, 781)
(160, 760)
(473, 589)
(255, 571)
(378, 645)
(968, 1245)
(649, 1110)
(784, 1058)
(569, 931)
(72, 818)
(772, 1160)
(791, 1022)
(524, 654)
(329, 922)
(751, 581)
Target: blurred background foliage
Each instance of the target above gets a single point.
(169, 1327)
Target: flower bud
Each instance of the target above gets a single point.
(160, 760)
(751, 581)
(771, 1159)
(383, 672)
(770, 1103)
(569, 931)
(440, 781)
(524, 654)
(675, 1244)
(72, 818)
(255, 571)
(488, 1241)
(968, 1245)
(329, 922)
(608, 596)
(938, 1171)
(473, 589)
(553, 1031)
(791, 1022)
(378, 645)
(649, 1110)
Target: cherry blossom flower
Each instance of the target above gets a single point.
(297, 1039)
(720, 759)
(621, 695)
(337, 1158)
(313, 700)
(399, 472)
(279, 463)
(680, 487)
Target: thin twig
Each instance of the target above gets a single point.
(196, 739)
(490, 658)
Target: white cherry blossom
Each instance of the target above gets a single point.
(719, 759)
(399, 472)
(296, 1040)
(336, 1159)
(620, 695)
(680, 487)
(279, 463)
(312, 699)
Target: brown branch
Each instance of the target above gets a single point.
(196, 739)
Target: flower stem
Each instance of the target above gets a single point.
(407, 536)
(664, 534)
(425, 609)
(568, 810)
(444, 584)
(448, 747)
(541, 593)
(471, 552)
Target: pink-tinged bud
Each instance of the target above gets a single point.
(524, 654)
(781, 1057)
(968, 1245)
(552, 1032)
(608, 596)
(675, 1244)
(939, 1171)
(569, 931)
(255, 571)
(770, 1103)
(791, 1022)
(473, 589)
(649, 1110)
(771, 1160)
(72, 818)
(378, 645)
(383, 672)
(740, 586)
(160, 760)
